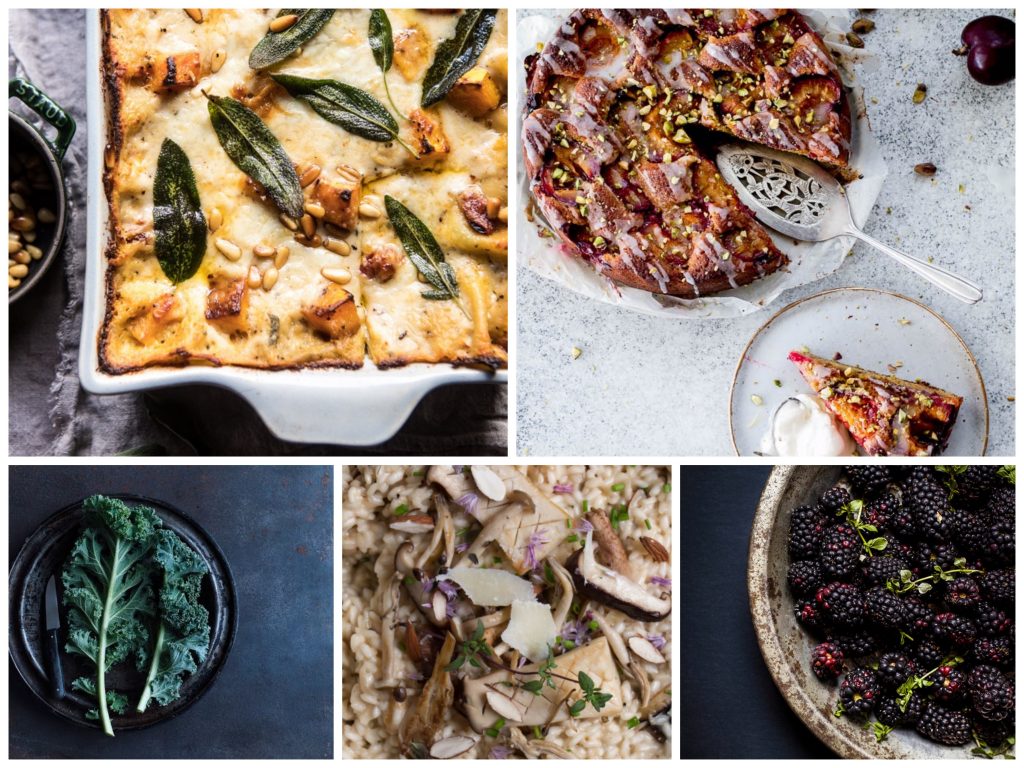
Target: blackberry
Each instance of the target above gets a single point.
(944, 725)
(883, 608)
(993, 734)
(962, 592)
(839, 551)
(806, 526)
(972, 531)
(930, 504)
(827, 661)
(879, 570)
(1000, 543)
(809, 615)
(868, 479)
(932, 556)
(842, 604)
(992, 621)
(992, 693)
(953, 629)
(879, 512)
(950, 685)
(894, 669)
(858, 691)
(1001, 504)
(974, 483)
(856, 644)
(888, 712)
(903, 522)
(835, 498)
(804, 578)
(993, 650)
(928, 654)
(917, 617)
(998, 586)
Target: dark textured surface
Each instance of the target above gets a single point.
(274, 696)
(730, 705)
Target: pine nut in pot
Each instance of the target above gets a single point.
(13, 282)
(309, 175)
(23, 224)
(281, 23)
(340, 247)
(315, 210)
(289, 222)
(338, 275)
(228, 248)
(219, 57)
(196, 14)
(22, 257)
(18, 201)
(18, 270)
(270, 278)
(46, 216)
(29, 237)
(34, 251)
(368, 211)
(264, 251)
(254, 278)
(308, 225)
(13, 246)
(283, 252)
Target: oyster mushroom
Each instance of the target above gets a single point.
(441, 535)
(612, 588)
(564, 579)
(642, 680)
(615, 641)
(389, 661)
(427, 718)
(657, 716)
(536, 748)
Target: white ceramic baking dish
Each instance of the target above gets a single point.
(358, 408)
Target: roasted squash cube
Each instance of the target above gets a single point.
(178, 72)
(334, 313)
(411, 53)
(429, 140)
(227, 304)
(155, 318)
(340, 196)
(475, 93)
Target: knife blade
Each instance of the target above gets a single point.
(52, 640)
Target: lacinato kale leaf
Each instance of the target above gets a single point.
(183, 633)
(108, 592)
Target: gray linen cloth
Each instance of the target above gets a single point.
(48, 48)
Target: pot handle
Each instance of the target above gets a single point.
(46, 108)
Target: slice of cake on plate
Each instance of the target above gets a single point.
(886, 415)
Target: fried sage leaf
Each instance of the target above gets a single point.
(177, 215)
(423, 251)
(382, 44)
(353, 109)
(278, 46)
(256, 151)
(457, 55)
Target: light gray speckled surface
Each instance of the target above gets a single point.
(647, 386)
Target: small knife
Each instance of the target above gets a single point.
(52, 640)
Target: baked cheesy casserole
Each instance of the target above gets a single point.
(305, 188)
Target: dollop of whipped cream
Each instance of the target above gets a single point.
(803, 427)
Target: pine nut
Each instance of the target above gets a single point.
(22, 257)
(29, 237)
(13, 282)
(289, 222)
(308, 225)
(46, 216)
(269, 278)
(219, 57)
(228, 248)
(263, 251)
(18, 201)
(493, 206)
(215, 219)
(196, 14)
(309, 175)
(310, 242)
(347, 172)
(338, 275)
(503, 214)
(368, 211)
(254, 279)
(335, 245)
(315, 210)
(18, 270)
(283, 252)
(23, 224)
(34, 251)
(281, 23)
(13, 246)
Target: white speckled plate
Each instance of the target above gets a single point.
(871, 329)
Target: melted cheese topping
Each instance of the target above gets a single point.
(401, 326)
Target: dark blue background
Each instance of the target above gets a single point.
(731, 707)
(273, 698)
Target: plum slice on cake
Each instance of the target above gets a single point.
(886, 415)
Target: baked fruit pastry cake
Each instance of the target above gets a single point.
(613, 149)
(886, 415)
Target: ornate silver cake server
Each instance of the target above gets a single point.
(797, 197)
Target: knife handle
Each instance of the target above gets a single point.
(53, 656)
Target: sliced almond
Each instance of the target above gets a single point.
(645, 649)
(413, 524)
(655, 549)
(450, 747)
(505, 706)
(439, 606)
(490, 485)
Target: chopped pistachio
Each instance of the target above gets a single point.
(757, 400)
(920, 92)
(576, 352)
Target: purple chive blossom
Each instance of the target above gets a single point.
(563, 488)
(661, 582)
(536, 539)
(657, 641)
(427, 584)
(468, 502)
(499, 752)
(449, 590)
(583, 526)
(576, 632)
(449, 608)
(523, 661)
(415, 676)
(462, 547)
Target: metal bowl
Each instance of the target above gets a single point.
(27, 140)
(786, 646)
